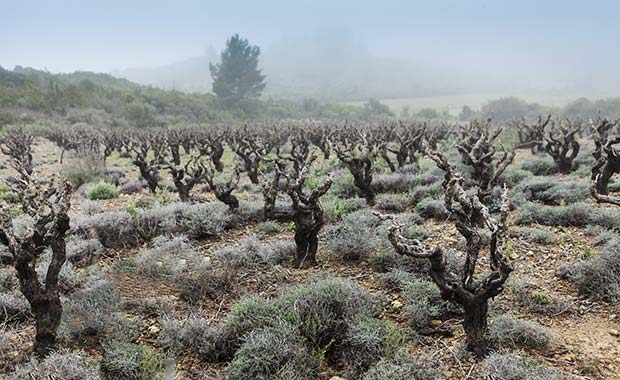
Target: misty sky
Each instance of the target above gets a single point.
(529, 38)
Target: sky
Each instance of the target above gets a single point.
(528, 39)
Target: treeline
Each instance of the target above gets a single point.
(510, 108)
(27, 92)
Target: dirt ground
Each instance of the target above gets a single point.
(588, 338)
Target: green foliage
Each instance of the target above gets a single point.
(102, 190)
(272, 352)
(237, 76)
(404, 366)
(598, 276)
(510, 108)
(59, 365)
(367, 340)
(356, 236)
(432, 208)
(517, 366)
(128, 361)
(534, 235)
(7, 195)
(424, 302)
(550, 191)
(507, 331)
(576, 214)
(540, 166)
(83, 169)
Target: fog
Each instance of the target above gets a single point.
(343, 50)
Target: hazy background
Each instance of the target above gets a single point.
(337, 51)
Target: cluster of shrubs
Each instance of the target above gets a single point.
(356, 236)
(534, 235)
(518, 365)
(225, 273)
(7, 195)
(94, 311)
(579, 214)
(535, 299)
(550, 191)
(116, 229)
(598, 276)
(326, 319)
(100, 191)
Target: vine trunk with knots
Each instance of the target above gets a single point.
(470, 294)
(48, 208)
(308, 214)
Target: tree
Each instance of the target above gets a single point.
(466, 113)
(237, 76)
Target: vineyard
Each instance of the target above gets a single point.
(311, 250)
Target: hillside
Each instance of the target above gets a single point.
(337, 70)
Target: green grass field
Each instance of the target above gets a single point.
(454, 103)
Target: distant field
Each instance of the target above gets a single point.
(454, 103)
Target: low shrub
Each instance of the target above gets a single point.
(430, 191)
(550, 191)
(336, 208)
(14, 307)
(512, 176)
(102, 190)
(7, 195)
(251, 252)
(356, 236)
(432, 208)
(391, 202)
(272, 352)
(540, 166)
(404, 366)
(114, 229)
(507, 331)
(343, 185)
(535, 299)
(83, 252)
(576, 214)
(395, 280)
(199, 335)
(394, 182)
(534, 235)
(132, 187)
(517, 366)
(167, 256)
(598, 277)
(93, 311)
(90, 207)
(128, 361)
(366, 341)
(83, 169)
(222, 276)
(59, 366)
(323, 308)
(197, 221)
(268, 228)
(423, 302)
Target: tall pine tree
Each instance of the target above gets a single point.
(237, 76)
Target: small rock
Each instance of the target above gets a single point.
(396, 304)
(337, 378)
(154, 329)
(614, 332)
(436, 322)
